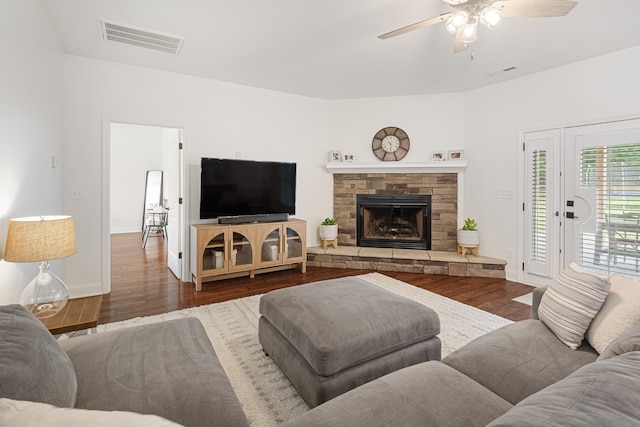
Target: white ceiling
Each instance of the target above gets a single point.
(329, 48)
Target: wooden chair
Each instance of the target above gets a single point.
(624, 236)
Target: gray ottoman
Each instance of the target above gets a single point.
(332, 336)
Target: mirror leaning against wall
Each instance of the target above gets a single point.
(152, 193)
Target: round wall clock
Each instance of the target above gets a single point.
(390, 144)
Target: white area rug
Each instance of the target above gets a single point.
(267, 397)
(525, 299)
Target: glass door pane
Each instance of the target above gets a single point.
(241, 250)
(270, 250)
(213, 257)
(293, 248)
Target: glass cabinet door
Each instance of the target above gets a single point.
(241, 249)
(294, 244)
(270, 248)
(213, 257)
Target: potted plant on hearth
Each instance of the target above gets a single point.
(468, 236)
(328, 229)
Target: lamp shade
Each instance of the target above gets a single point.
(40, 238)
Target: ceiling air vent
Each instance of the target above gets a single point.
(504, 70)
(141, 37)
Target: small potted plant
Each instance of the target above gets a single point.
(328, 229)
(468, 236)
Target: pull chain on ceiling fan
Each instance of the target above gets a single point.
(463, 22)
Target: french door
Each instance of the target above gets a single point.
(541, 206)
(582, 200)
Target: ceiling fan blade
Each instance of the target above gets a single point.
(458, 45)
(416, 26)
(534, 8)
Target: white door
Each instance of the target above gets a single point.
(541, 206)
(174, 203)
(602, 197)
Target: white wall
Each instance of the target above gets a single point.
(219, 119)
(134, 150)
(433, 123)
(31, 122)
(590, 91)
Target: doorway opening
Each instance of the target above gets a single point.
(133, 150)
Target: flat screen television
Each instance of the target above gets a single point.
(230, 187)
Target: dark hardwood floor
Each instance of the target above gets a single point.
(142, 285)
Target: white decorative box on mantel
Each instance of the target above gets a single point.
(451, 166)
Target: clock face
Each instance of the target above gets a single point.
(390, 144)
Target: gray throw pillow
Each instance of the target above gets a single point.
(32, 365)
(571, 303)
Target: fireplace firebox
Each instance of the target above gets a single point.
(394, 221)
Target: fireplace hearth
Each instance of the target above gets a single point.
(394, 221)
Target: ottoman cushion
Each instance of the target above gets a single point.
(340, 323)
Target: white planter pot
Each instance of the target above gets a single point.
(328, 232)
(468, 238)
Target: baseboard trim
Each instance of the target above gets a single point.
(85, 290)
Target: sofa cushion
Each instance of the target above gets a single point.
(518, 360)
(32, 364)
(427, 394)
(603, 393)
(620, 311)
(571, 303)
(167, 368)
(625, 343)
(35, 414)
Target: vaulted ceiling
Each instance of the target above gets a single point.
(329, 49)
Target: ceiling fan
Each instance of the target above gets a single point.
(463, 21)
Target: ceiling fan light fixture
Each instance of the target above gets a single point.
(457, 21)
(490, 17)
(469, 33)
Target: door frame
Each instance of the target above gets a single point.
(106, 194)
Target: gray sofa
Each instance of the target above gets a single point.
(519, 375)
(167, 370)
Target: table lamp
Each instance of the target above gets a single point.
(42, 238)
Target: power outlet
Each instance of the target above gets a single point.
(509, 252)
(75, 194)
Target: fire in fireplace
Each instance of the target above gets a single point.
(394, 221)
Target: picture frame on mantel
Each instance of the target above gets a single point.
(438, 156)
(334, 156)
(455, 155)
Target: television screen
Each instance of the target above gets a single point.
(246, 187)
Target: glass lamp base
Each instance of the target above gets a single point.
(46, 295)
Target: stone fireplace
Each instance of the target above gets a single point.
(441, 187)
(439, 181)
(393, 221)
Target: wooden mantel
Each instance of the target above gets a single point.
(452, 166)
